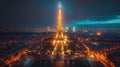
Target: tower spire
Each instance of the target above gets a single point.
(59, 17)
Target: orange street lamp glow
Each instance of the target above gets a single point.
(98, 33)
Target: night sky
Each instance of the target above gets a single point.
(43, 13)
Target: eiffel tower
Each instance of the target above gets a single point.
(60, 39)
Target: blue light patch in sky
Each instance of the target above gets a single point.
(92, 22)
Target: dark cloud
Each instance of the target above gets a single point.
(92, 9)
(41, 13)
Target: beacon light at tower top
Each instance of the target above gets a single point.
(60, 4)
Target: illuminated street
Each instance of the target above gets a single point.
(60, 47)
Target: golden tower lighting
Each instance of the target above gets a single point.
(60, 40)
(60, 18)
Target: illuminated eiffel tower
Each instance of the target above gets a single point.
(60, 40)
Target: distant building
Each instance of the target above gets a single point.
(67, 29)
(74, 29)
(48, 29)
